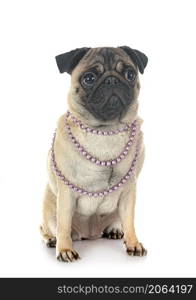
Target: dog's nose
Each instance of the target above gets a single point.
(111, 80)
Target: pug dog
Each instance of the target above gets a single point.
(97, 152)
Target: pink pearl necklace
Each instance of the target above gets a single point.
(90, 157)
(82, 191)
(94, 131)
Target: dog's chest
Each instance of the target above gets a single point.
(90, 176)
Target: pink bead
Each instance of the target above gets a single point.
(105, 192)
(80, 149)
(118, 159)
(100, 194)
(84, 152)
(94, 131)
(129, 143)
(95, 194)
(84, 192)
(108, 163)
(122, 156)
(127, 177)
(93, 159)
(98, 162)
(115, 187)
(89, 194)
(127, 148)
(119, 184)
(111, 132)
(88, 156)
(114, 162)
(105, 133)
(110, 190)
(88, 129)
(103, 163)
(125, 152)
(123, 180)
(99, 132)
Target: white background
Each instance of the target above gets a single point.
(33, 96)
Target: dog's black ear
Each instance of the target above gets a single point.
(66, 62)
(139, 58)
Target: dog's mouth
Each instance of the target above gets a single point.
(114, 102)
(108, 108)
(108, 102)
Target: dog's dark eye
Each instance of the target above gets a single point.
(89, 78)
(130, 74)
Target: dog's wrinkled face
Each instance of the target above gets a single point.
(105, 80)
(107, 83)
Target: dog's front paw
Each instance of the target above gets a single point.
(67, 255)
(136, 249)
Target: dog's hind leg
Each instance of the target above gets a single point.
(111, 226)
(113, 231)
(48, 227)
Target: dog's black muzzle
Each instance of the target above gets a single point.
(110, 99)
